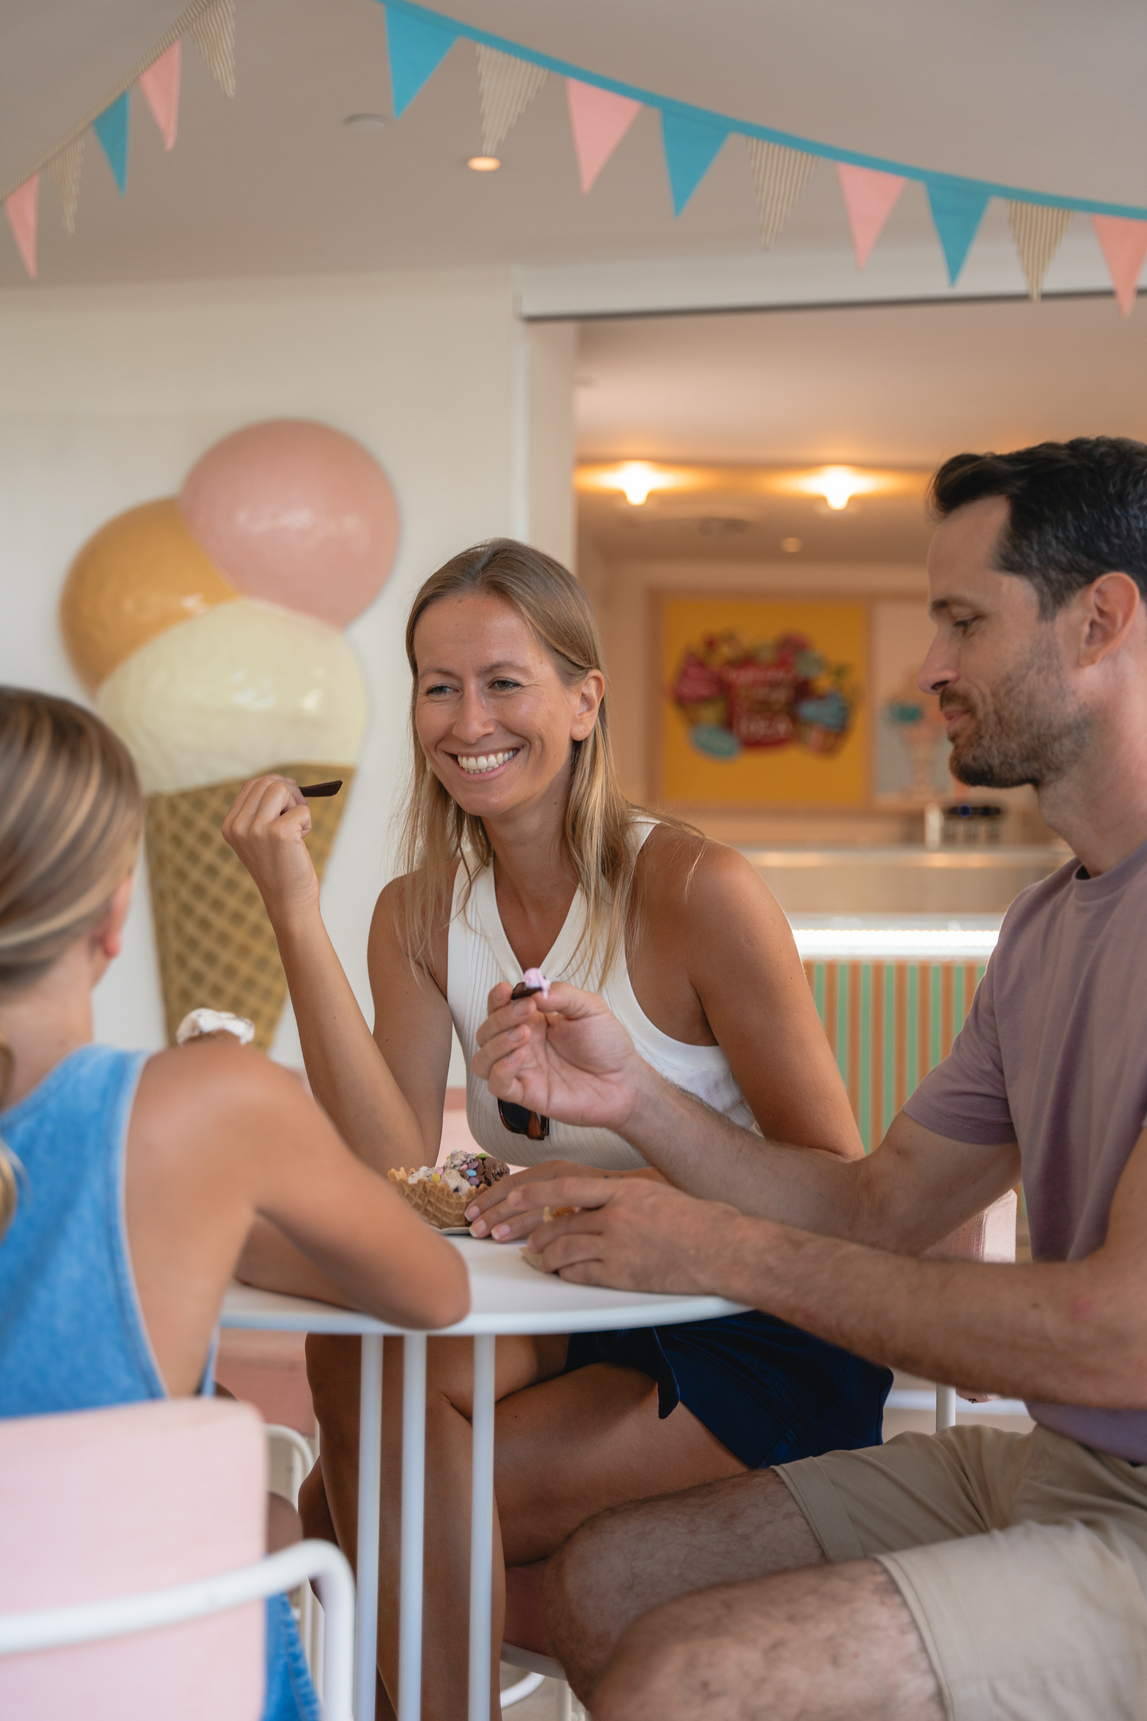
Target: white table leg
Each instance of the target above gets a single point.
(413, 1505)
(945, 1407)
(369, 1482)
(481, 1527)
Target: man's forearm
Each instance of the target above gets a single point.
(706, 1154)
(1059, 1332)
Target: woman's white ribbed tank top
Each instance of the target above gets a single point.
(479, 956)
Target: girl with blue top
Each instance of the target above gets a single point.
(131, 1186)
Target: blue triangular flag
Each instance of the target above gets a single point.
(111, 127)
(957, 209)
(691, 146)
(417, 48)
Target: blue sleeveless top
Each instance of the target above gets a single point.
(72, 1335)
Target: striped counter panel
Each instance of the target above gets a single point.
(889, 1023)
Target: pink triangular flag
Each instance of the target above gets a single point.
(160, 86)
(1124, 246)
(868, 198)
(599, 120)
(21, 210)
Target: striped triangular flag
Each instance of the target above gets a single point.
(64, 169)
(213, 33)
(1037, 231)
(506, 86)
(779, 175)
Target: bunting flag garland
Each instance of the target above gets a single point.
(779, 177)
(21, 208)
(601, 112)
(506, 87)
(1037, 233)
(957, 209)
(212, 25)
(213, 32)
(869, 198)
(64, 168)
(691, 147)
(160, 86)
(111, 127)
(419, 39)
(1124, 246)
(598, 120)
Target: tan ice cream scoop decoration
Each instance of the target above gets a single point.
(208, 627)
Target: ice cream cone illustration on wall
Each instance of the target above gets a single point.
(209, 629)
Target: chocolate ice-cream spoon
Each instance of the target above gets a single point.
(315, 791)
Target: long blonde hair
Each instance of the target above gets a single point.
(598, 827)
(70, 821)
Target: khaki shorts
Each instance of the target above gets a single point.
(1022, 1557)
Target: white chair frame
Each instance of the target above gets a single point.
(120, 1616)
(541, 1667)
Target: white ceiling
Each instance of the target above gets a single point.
(1041, 93)
(903, 385)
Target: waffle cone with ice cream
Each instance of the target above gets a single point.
(208, 628)
(442, 1193)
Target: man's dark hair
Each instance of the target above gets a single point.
(1077, 510)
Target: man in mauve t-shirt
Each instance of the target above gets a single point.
(973, 1574)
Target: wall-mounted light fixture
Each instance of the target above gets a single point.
(484, 163)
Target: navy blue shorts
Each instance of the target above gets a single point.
(769, 1392)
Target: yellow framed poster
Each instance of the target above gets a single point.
(761, 702)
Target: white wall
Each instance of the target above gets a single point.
(107, 396)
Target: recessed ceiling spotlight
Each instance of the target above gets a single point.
(792, 546)
(365, 122)
(839, 484)
(484, 163)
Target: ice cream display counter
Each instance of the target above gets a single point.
(904, 880)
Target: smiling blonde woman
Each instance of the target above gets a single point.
(522, 852)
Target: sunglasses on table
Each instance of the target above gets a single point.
(519, 1120)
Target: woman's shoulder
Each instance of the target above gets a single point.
(682, 871)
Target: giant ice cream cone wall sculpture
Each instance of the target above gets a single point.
(209, 629)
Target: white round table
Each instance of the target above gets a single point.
(507, 1296)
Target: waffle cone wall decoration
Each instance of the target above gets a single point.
(208, 628)
(214, 941)
(436, 1202)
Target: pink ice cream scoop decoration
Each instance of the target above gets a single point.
(535, 981)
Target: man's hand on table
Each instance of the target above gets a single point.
(511, 1208)
(628, 1233)
(566, 1057)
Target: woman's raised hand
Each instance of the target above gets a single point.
(570, 1059)
(267, 827)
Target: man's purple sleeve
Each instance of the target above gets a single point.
(965, 1097)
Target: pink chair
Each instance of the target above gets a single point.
(132, 1576)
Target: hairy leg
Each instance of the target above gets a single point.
(624, 1562)
(835, 1643)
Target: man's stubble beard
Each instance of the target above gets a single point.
(1030, 729)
